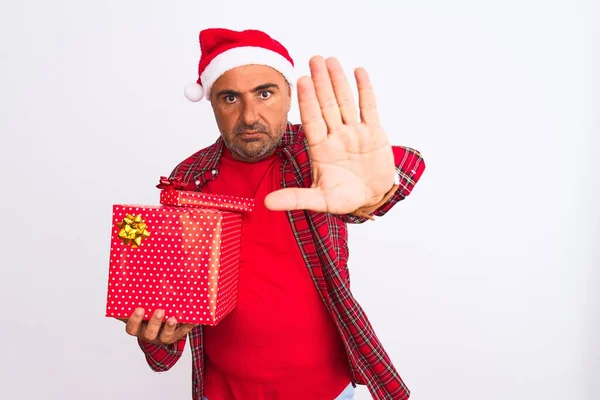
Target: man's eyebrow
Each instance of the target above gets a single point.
(230, 92)
(265, 86)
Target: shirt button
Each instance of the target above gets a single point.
(214, 171)
(197, 183)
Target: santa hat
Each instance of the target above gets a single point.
(223, 49)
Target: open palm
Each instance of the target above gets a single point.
(352, 160)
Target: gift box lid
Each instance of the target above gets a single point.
(176, 193)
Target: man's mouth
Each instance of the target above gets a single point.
(252, 136)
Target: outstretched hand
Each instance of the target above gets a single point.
(352, 160)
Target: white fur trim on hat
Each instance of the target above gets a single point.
(247, 55)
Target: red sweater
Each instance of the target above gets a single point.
(279, 342)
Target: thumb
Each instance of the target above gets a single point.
(296, 199)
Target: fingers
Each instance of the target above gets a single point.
(326, 101)
(366, 98)
(343, 93)
(183, 330)
(168, 332)
(151, 329)
(296, 199)
(313, 123)
(155, 331)
(325, 93)
(133, 325)
(172, 333)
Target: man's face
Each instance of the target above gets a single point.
(251, 105)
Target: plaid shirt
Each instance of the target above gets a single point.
(323, 240)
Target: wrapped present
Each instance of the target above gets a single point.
(174, 193)
(183, 259)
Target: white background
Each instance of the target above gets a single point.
(481, 285)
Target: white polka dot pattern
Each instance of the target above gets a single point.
(183, 198)
(188, 266)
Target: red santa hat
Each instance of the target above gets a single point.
(223, 49)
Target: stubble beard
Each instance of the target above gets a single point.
(253, 150)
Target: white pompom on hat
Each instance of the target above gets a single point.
(224, 49)
(193, 92)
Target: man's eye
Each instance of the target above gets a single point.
(265, 95)
(230, 98)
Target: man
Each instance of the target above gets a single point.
(296, 332)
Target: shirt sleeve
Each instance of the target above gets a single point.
(410, 165)
(162, 357)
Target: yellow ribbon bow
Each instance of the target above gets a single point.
(133, 230)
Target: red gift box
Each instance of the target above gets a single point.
(182, 259)
(177, 193)
(197, 199)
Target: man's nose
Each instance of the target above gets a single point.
(249, 113)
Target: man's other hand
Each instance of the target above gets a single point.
(155, 330)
